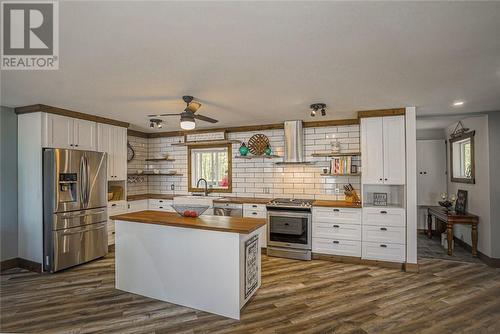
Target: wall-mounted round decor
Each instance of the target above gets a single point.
(130, 152)
(258, 143)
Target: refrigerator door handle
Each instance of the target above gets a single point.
(83, 230)
(84, 180)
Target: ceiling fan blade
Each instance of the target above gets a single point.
(163, 115)
(193, 106)
(205, 118)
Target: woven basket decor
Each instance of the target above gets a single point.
(258, 143)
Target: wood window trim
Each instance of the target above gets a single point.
(229, 189)
(466, 135)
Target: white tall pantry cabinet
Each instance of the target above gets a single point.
(383, 157)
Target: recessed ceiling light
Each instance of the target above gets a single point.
(458, 103)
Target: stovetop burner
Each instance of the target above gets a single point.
(290, 203)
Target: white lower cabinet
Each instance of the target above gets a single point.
(140, 205)
(114, 208)
(161, 205)
(337, 247)
(257, 211)
(384, 234)
(336, 231)
(384, 251)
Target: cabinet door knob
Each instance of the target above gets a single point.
(385, 179)
(76, 145)
(336, 210)
(380, 179)
(383, 246)
(383, 229)
(70, 144)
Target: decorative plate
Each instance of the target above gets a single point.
(258, 143)
(130, 152)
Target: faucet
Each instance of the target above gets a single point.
(206, 185)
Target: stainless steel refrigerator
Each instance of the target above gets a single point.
(75, 207)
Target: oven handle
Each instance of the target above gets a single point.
(307, 215)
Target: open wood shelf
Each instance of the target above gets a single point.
(272, 156)
(159, 159)
(328, 174)
(208, 142)
(331, 154)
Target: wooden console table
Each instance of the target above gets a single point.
(451, 218)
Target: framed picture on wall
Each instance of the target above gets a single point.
(461, 203)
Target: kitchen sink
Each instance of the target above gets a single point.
(196, 200)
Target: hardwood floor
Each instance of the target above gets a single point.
(295, 297)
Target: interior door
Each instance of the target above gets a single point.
(120, 153)
(431, 171)
(105, 143)
(58, 131)
(394, 150)
(372, 150)
(85, 135)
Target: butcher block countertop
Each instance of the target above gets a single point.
(214, 223)
(336, 204)
(248, 200)
(243, 200)
(148, 196)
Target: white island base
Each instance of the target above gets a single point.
(207, 270)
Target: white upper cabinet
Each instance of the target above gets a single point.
(113, 140)
(67, 132)
(85, 137)
(394, 150)
(383, 150)
(372, 142)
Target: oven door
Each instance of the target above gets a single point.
(289, 229)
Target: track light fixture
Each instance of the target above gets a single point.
(155, 123)
(317, 106)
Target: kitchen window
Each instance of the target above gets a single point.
(212, 163)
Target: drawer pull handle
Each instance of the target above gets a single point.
(383, 212)
(336, 226)
(161, 207)
(383, 246)
(383, 229)
(335, 242)
(286, 224)
(336, 210)
(113, 204)
(254, 213)
(160, 201)
(254, 206)
(113, 233)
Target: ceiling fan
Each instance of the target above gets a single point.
(188, 116)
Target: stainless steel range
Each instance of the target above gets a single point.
(289, 229)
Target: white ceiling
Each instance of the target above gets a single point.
(265, 62)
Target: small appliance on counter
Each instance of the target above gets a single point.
(74, 207)
(289, 228)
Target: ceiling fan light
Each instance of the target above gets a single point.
(188, 124)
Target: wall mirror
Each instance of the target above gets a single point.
(462, 158)
(212, 163)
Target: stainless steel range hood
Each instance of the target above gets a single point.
(294, 144)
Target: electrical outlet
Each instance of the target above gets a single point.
(337, 190)
(172, 187)
(266, 190)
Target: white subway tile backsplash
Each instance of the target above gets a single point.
(259, 177)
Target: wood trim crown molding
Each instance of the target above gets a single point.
(381, 112)
(68, 113)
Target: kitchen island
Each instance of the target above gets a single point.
(210, 263)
